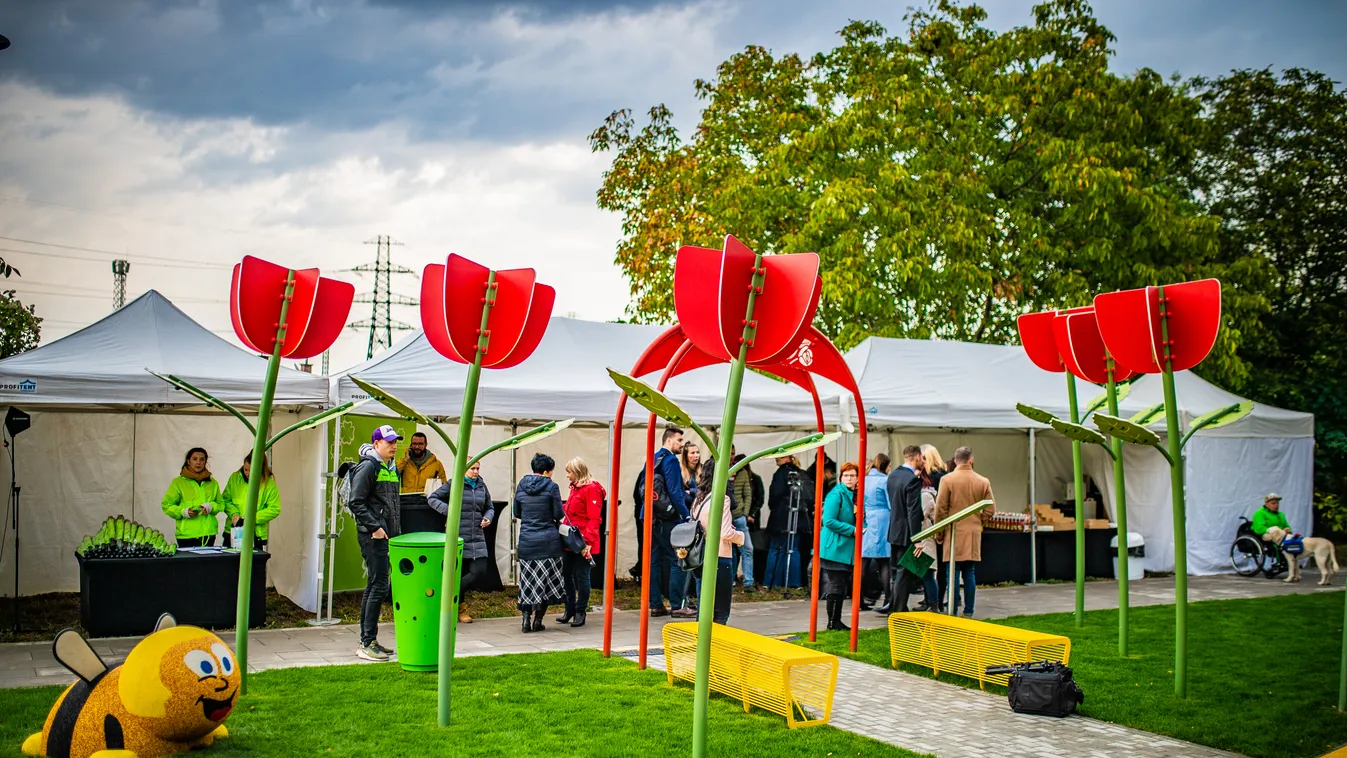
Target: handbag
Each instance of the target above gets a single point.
(1045, 688)
(688, 540)
(571, 538)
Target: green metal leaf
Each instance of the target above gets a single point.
(790, 448)
(951, 519)
(319, 420)
(1149, 416)
(388, 401)
(1100, 401)
(535, 434)
(1079, 433)
(1222, 416)
(1125, 430)
(651, 399)
(1034, 414)
(206, 398)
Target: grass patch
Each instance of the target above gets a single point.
(545, 704)
(1262, 672)
(45, 615)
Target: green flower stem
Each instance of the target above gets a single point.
(1342, 672)
(449, 605)
(1120, 511)
(1080, 503)
(717, 505)
(255, 488)
(1175, 443)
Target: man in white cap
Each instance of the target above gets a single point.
(374, 502)
(1270, 515)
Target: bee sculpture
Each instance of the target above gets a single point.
(172, 694)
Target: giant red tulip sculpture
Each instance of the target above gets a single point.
(282, 313)
(1162, 330)
(485, 319)
(737, 306)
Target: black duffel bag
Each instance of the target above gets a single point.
(1045, 688)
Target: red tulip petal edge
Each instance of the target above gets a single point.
(317, 312)
(1082, 348)
(1040, 343)
(1129, 323)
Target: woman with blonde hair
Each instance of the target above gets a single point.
(930, 474)
(584, 511)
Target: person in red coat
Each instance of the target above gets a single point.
(584, 511)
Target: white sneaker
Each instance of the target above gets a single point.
(371, 653)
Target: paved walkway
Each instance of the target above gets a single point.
(866, 694)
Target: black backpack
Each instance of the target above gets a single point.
(1046, 688)
(660, 503)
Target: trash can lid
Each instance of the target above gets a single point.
(1133, 540)
(420, 539)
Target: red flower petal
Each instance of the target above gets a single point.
(257, 291)
(1128, 323)
(1082, 348)
(815, 353)
(1194, 320)
(785, 309)
(514, 293)
(332, 306)
(535, 326)
(710, 286)
(1040, 344)
(451, 307)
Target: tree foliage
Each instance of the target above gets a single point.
(20, 328)
(7, 270)
(950, 178)
(1274, 168)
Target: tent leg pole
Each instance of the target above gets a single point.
(1033, 513)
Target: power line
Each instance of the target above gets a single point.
(136, 256)
(381, 323)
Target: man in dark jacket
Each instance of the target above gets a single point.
(904, 490)
(665, 576)
(374, 504)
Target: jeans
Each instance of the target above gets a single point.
(575, 572)
(663, 574)
(932, 590)
(745, 553)
(966, 579)
(778, 549)
(375, 553)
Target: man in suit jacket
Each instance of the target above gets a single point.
(904, 490)
(959, 489)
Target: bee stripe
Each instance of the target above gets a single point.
(62, 733)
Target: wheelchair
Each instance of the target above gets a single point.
(1249, 554)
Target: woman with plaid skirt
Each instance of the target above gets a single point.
(537, 505)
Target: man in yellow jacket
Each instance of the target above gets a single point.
(419, 466)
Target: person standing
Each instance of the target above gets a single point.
(933, 470)
(419, 466)
(837, 544)
(537, 505)
(666, 579)
(959, 489)
(235, 498)
(193, 502)
(584, 511)
(690, 461)
(790, 490)
(729, 537)
(903, 489)
(377, 511)
(875, 539)
(741, 487)
(477, 514)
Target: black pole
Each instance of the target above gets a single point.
(14, 495)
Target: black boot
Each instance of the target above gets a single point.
(566, 617)
(579, 620)
(527, 614)
(837, 616)
(538, 619)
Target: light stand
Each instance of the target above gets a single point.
(16, 421)
(794, 484)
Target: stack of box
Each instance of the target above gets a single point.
(1096, 523)
(1053, 519)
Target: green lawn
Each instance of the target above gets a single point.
(545, 704)
(1263, 673)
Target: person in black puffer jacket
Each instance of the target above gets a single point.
(537, 505)
(477, 514)
(377, 510)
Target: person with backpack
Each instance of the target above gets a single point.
(669, 509)
(375, 505)
(729, 538)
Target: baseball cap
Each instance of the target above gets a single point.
(386, 433)
(1272, 496)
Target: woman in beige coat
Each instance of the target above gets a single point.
(959, 489)
(729, 537)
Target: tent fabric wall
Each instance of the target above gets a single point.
(77, 469)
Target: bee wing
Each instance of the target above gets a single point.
(73, 651)
(166, 621)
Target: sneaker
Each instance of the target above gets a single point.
(967, 614)
(372, 652)
(385, 650)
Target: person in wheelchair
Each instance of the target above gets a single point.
(1260, 544)
(1268, 516)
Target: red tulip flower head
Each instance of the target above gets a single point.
(711, 289)
(1082, 348)
(315, 318)
(1130, 325)
(452, 298)
(1040, 341)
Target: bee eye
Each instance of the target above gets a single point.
(199, 662)
(223, 656)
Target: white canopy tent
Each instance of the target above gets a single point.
(107, 437)
(953, 393)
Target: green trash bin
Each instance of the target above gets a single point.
(418, 566)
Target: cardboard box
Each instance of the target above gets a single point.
(1065, 524)
(1096, 523)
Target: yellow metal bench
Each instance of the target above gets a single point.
(773, 675)
(967, 647)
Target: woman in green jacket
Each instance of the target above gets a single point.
(193, 501)
(268, 499)
(837, 544)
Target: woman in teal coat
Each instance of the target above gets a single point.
(837, 544)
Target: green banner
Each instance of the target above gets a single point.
(354, 431)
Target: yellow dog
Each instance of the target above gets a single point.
(171, 695)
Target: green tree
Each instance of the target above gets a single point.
(20, 328)
(6, 270)
(950, 178)
(1274, 168)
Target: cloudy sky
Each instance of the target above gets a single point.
(183, 134)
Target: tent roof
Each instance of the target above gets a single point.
(566, 378)
(104, 364)
(965, 385)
